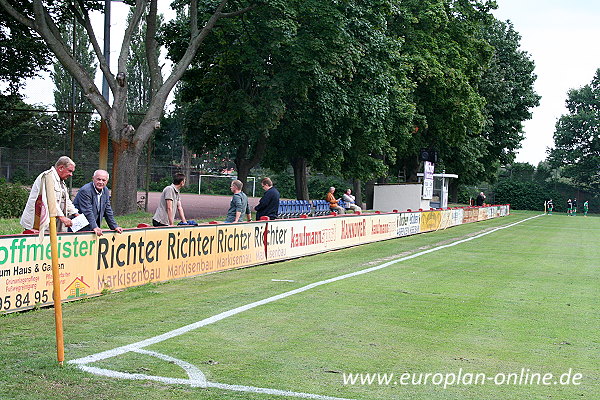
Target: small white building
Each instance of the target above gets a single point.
(388, 197)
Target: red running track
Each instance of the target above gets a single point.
(199, 206)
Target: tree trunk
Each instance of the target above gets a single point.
(124, 177)
(186, 163)
(300, 178)
(243, 170)
(245, 160)
(411, 168)
(370, 191)
(357, 189)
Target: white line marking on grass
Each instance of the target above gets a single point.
(196, 377)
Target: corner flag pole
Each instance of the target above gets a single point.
(60, 345)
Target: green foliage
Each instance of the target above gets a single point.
(525, 195)
(318, 185)
(158, 186)
(507, 85)
(352, 88)
(576, 141)
(520, 171)
(474, 87)
(20, 176)
(12, 199)
(230, 98)
(443, 45)
(22, 126)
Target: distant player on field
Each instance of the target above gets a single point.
(549, 206)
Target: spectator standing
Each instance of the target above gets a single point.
(350, 200)
(268, 205)
(169, 202)
(239, 203)
(93, 201)
(480, 200)
(30, 219)
(333, 203)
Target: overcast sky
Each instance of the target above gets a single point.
(562, 38)
(560, 35)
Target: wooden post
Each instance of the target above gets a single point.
(60, 346)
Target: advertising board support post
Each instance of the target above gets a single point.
(60, 345)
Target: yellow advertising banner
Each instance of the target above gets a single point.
(430, 220)
(26, 269)
(446, 219)
(90, 264)
(234, 246)
(189, 251)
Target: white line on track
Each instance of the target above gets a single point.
(196, 377)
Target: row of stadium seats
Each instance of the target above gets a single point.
(321, 207)
(294, 208)
(298, 208)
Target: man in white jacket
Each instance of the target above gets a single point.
(63, 169)
(350, 201)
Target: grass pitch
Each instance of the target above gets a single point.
(523, 298)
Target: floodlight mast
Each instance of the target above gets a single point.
(103, 152)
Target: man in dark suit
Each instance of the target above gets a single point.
(93, 201)
(268, 205)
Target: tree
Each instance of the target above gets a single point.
(507, 86)
(447, 59)
(44, 17)
(474, 87)
(523, 172)
(576, 139)
(68, 96)
(230, 98)
(300, 57)
(317, 65)
(380, 107)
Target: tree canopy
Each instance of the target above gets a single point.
(358, 88)
(576, 139)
